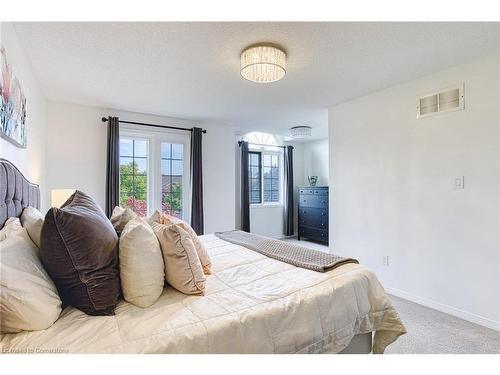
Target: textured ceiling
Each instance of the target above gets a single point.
(191, 70)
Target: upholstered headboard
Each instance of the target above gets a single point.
(16, 192)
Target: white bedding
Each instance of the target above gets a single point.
(253, 304)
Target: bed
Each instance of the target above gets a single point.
(253, 304)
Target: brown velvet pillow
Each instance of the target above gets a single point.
(79, 252)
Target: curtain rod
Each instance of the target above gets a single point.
(261, 144)
(104, 119)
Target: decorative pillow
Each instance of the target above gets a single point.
(79, 251)
(120, 217)
(182, 267)
(141, 264)
(28, 297)
(12, 225)
(32, 220)
(201, 250)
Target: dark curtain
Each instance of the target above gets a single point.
(113, 166)
(196, 182)
(289, 227)
(245, 198)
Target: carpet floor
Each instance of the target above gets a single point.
(431, 331)
(434, 332)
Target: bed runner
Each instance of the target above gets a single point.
(290, 253)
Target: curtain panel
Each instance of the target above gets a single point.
(197, 181)
(245, 198)
(113, 166)
(288, 197)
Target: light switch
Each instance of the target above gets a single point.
(459, 182)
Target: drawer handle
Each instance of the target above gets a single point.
(323, 214)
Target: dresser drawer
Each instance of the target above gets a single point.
(309, 200)
(313, 191)
(313, 217)
(314, 234)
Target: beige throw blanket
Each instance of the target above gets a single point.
(290, 253)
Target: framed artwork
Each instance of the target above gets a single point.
(13, 105)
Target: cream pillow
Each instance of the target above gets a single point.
(201, 250)
(141, 264)
(32, 220)
(182, 266)
(120, 217)
(12, 225)
(28, 297)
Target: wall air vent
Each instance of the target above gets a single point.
(446, 100)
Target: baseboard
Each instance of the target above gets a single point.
(489, 323)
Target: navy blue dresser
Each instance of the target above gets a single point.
(313, 213)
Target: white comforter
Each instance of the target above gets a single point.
(253, 304)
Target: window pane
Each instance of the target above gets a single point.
(275, 184)
(141, 166)
(274, 160)
(254, 184)
(267, 172)
(254, 159)
(166, 184)
(267, 184)
(165, 167)
(133, 174)
(141, 183)
(275, 173)
(267, 160)
(267, 196)
(125, 147)
(126, 161)
(255, 172)
(254, 197)
(140, 148)
(172, 171)
(166, 150)
(275, 196)
(177, 167)
(177, 150)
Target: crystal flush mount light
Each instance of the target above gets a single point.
(300, 132)
(263, 63)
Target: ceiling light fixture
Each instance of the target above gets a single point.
(263, 63)
(300, 132)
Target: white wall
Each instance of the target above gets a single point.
(315, 155)
(30, 161)
(76, 157)
(392, 179)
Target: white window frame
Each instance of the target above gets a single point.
(266, 150)
(155, 138)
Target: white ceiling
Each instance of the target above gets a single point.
(191, 70)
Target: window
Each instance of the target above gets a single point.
(254, 177)
(271, 178)
(134, 174)
(154, 171)
(258, 138)
(171, 178)
(264, 177)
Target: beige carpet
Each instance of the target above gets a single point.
(434, 332)
(431, 331)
